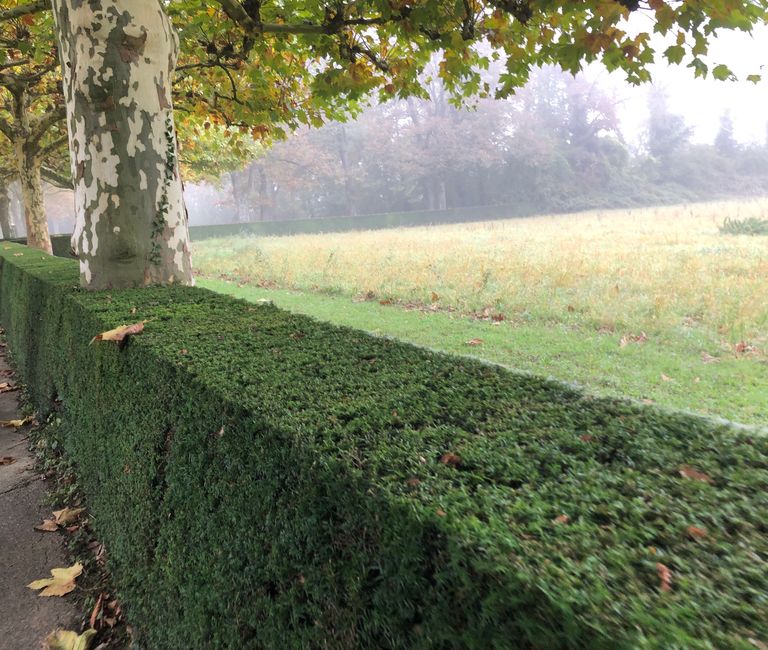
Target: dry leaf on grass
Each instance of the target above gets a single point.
(67, 640)
(67, 516)
(48, 526)
(562, 519)
(62, 582)
(474, 342)
(119, 333)
(666, 377)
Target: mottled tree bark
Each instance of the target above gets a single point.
(118, 59)
(5, 211)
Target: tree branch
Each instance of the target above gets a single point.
(25, 10)
(56, 179)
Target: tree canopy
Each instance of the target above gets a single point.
(273, 66)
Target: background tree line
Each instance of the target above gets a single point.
(556, 145)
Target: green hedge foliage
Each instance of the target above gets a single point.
(263, 480)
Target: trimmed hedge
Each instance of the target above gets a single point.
(364, 222)
(263, 480)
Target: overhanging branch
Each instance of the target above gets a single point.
(25, 10)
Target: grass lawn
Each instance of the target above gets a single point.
(680, 368)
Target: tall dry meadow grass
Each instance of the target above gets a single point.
(643, 269)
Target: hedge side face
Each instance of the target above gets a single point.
(265, 480)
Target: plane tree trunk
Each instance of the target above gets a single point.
(5, 211)
(118, 58)
(27, 151)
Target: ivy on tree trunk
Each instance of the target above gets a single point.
(118, 58)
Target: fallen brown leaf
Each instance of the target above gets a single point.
(413, 482)
(665, 575)
(633, 338)
(586, 437)
(450, 459)
(692, 473)
(561, 519)
(666, 377)
(96, 610)
(434, 297)
(7, 460)
(440, 512)
(696, 532)
(475, 342)
(119, 333)
(67, 516)
(48, 526)
(62, 582)
(708, 358)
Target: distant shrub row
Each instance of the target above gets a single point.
(263, 480)
(747, 226)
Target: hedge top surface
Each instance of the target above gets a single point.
(640, 526)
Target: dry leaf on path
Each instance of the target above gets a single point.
(96, 610)
(119, 333)
(16, 423)
(67, 515)
(48, 526)
(67, 640)
(7, 460)
(665, 575)
(62, 582)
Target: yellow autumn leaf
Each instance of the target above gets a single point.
(119, 333)
(67, 640)
(67, 515)
(16, 423)
(62, 582)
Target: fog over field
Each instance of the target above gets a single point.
(561, 143)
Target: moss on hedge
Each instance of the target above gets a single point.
(265, 480)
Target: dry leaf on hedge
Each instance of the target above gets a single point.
(62, 582)
(119, 333)
(686, 471)
(67, 515)
(665, 575)
(67, 640)
(48, 526)
(450, 459)
(696, 532)
(7, 460)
